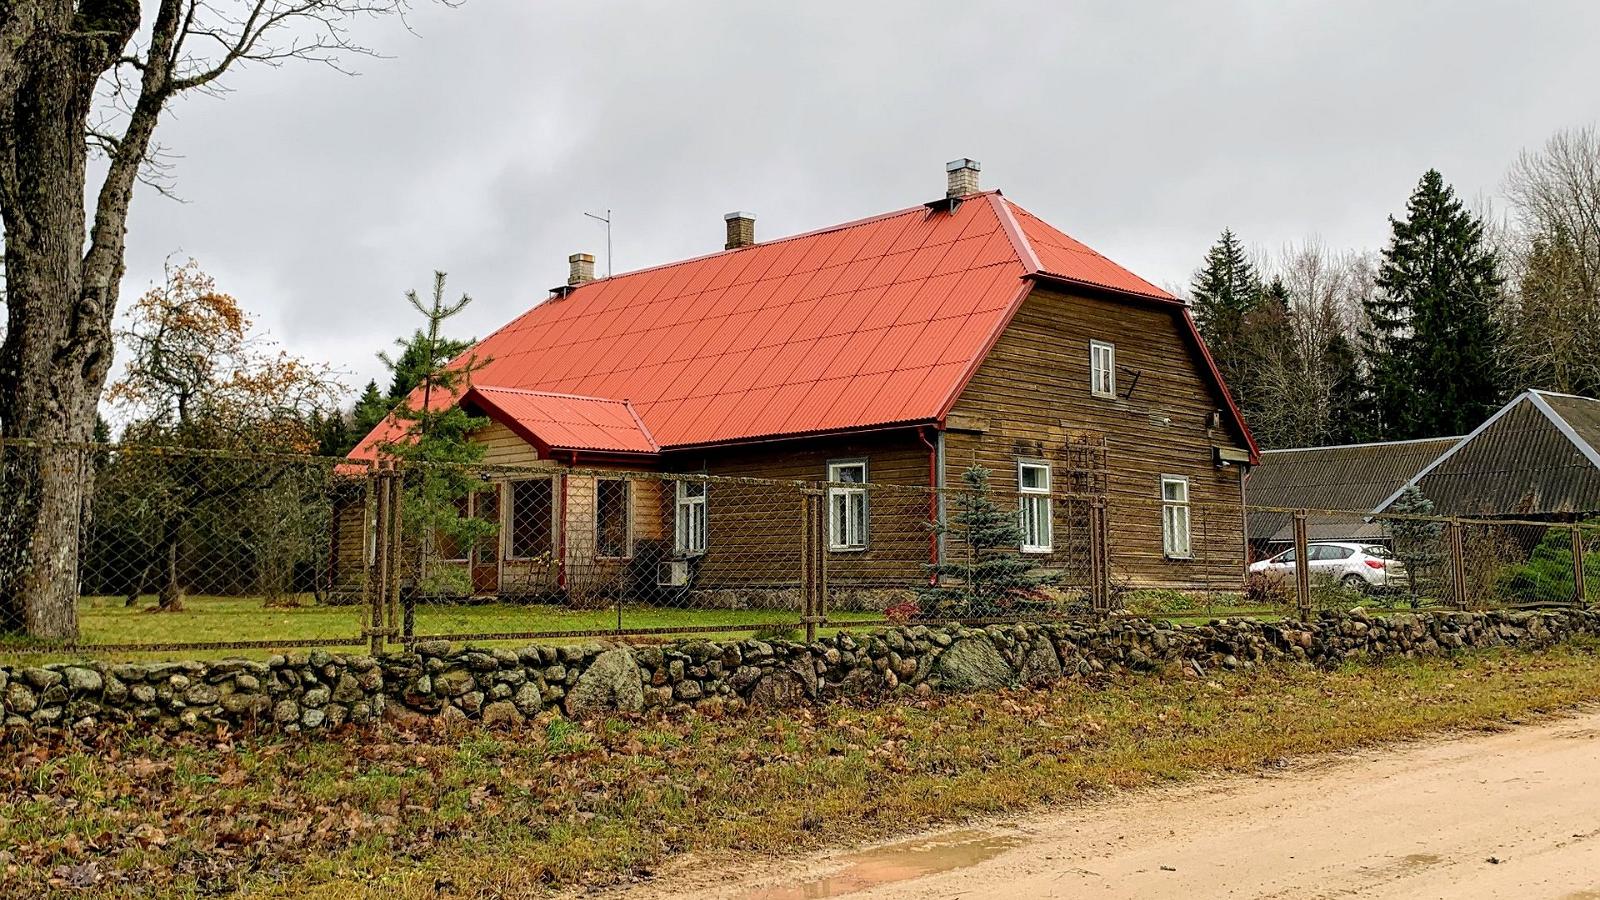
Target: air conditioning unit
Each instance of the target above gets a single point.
(672, 573)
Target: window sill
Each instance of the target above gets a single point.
(861, 549)
(1171, 558)
(1038, 551)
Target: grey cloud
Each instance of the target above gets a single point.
(1142, 129)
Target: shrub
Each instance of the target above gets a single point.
(901, 613)
(1267, 589)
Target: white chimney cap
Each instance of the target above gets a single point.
(962, 163)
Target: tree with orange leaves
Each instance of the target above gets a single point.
(199, 378)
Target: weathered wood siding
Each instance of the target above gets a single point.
(1031, 396)
(754, 530)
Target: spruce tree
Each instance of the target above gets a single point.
(1223, 294)
(1431, 345)
(985, 575)
(370, 409)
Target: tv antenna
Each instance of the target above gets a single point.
(606, 219)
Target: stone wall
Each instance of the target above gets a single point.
(318, 689)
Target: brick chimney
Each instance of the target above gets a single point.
(741, 230)
(962, 175)
(580, 268)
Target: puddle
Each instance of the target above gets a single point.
(895, 862)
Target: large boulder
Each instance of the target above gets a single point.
(1041, 665)
(612, 682)
(973, 664)
(779, 687)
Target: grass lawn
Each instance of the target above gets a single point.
(386, 813)
(108, 620)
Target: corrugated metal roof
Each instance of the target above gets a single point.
(868, 324)
(565, 421)
(1353, 477)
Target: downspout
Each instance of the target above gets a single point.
(1244, 517)
(935, 496)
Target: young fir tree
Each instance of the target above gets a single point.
(434, 448)
(1417, 542)
(1432, 344)
(1223, 294)
(370, 409)
(985, 574)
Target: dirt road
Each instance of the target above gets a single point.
(1514, 815)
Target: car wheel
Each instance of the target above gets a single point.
(1354, 582)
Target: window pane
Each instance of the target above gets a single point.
(1035, 477)
(849, 473)
(611, 518)
(532, 511)
(1175, 489)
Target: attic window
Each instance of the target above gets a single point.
(1102, 369)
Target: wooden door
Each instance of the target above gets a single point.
(486, 555)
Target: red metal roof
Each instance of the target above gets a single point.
(872, 323)
(564, 421)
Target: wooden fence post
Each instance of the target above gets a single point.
(1458, 565)
(813, 559)
(1099, 565)
(374, 586)
(1302, 567)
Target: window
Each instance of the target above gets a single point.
(611, 532)
(532, 518)
(1175, 517)
(690, 521)
(847, 505)
(1329, 552)
(1102, 369)
(1033, 488)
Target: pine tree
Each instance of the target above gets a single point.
(1432, 346)
(420, 354)
(1223, 294)
(436, 446)
(986, 575)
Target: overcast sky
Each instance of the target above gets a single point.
(1140, 128)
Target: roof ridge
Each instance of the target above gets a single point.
(555, 394)
(1363, 444)
(853, 223)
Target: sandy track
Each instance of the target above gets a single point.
(1415, 821)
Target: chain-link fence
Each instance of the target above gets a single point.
(209, 550)
(1414, 562)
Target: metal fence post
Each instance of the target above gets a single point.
(1302, 567)
(1579, 577)
(377, 586)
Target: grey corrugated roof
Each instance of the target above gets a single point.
(1581, 413)
(1355, 477)
(1534, 457)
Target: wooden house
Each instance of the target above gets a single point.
(884, 356)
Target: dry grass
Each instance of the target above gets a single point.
(398, 814)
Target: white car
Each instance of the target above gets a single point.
(1354, 565)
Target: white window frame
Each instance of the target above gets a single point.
(849, 509)
(1034, 510)
(627, 518)
(1103, 369)
(690, 527)
(1175, 518)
